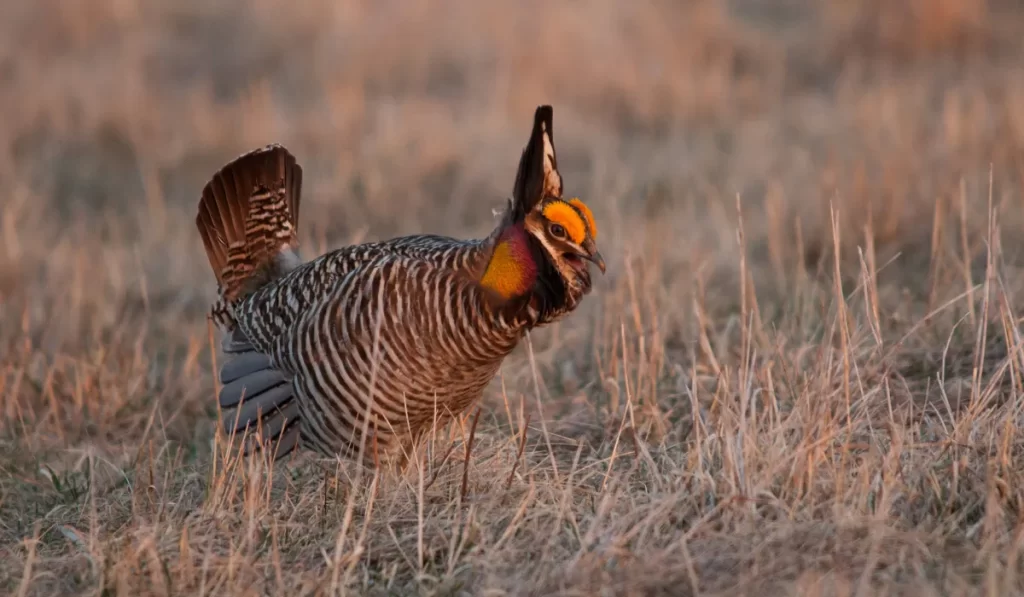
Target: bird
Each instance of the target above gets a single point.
(359, 352)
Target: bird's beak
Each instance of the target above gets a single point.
(596, 259)
(591, 254)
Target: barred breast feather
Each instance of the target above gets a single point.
(389, 337)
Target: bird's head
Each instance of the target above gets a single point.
(563, 229)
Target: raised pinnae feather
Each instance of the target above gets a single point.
(537, 176)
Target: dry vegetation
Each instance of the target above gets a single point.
(802, 374)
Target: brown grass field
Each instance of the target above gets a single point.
(802, 374)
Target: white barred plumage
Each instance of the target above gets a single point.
(387, 337)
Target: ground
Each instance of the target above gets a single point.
(800, 376)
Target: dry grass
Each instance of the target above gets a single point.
(802, 374)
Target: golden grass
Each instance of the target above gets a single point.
(801, 375)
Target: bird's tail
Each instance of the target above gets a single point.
(248, 217)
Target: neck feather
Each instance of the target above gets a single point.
(512, 269)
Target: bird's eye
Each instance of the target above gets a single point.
(557, 231)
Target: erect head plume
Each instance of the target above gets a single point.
(538, 177)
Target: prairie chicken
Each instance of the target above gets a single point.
(361, 350)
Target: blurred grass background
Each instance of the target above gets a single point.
(743, 408)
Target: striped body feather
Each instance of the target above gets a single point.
(396, 331)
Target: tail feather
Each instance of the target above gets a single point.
(243, 365)
(258, 407)
(257, 400)
(248, 217)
